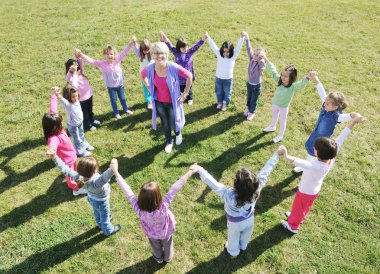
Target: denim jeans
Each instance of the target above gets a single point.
(253, 92)
(223, 90)
(102, 214)
(88, 115)
(182, 89)
(80, 143)
(166, 113)
(114, 93)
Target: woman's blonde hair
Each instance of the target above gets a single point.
(160, 47)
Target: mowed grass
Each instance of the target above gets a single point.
(43, 228)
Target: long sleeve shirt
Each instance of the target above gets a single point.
(146, 59)
(255, 68)
(80, 82)
(159, 224)
(225, 66)
(112, 73)
(74, 113)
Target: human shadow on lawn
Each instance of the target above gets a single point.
(223, 262)
(57, 193)
(57, 254)
(149, 265)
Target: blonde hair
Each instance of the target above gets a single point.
(337, 98)
(108, 48)
(160, 47)
(87, 166)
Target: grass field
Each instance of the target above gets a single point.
(43, 228)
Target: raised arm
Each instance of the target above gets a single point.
(249, 47)
(272, 70)
(339, 140)
(67, 171)
(194, 48)
(267, 169)
(123, 53)
(319, 86)
(213, 46)
(217, 187)
(238, 47)
(96, 63)
(54, 100)
(300, 84)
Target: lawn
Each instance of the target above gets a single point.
(44, 228)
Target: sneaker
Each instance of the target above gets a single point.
(149, 105)
(219, 106)
(277, 139)
(160, 261)
(246, 113)
(178, 139)
(297, 170)
(168, 148)
(225, 249)
(287, 226)
(287, 214)
(87, 153)
(79, 191)
(96, 123)
(90, 148)
(190, 102)
(224, 107)
(116, 229)
(269, 129)
(168, 261)
(128, 111)
(117, 116)
(250, 116)
(92, 128)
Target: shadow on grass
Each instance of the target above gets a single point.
(223, 262)
(57, 254)
(149, 265)
(57, 193)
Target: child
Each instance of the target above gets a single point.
(183, 57)
(224, 69)
(314, 171)
(78, 79)
(112, 74)
(239, 202)
(330, 115)
(74, 116)
(57, 139)
(255, 71)
(143, 53)
(157, 221)
(97, 186)
(283, 95)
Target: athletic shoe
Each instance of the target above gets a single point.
(246, 113)
(116, 229)
(149, 105)
(117, 116)
(128, 111)
(297, 170)
(287, 226)
(224, 107)
(250, 116)
(269, 129)
(219, 106)
(178, 139)
(96, 123)
(79, 191)
(277, 139)
(92, 128)
(168, 148)
(190, 102)
(90, 148)
(287, 214)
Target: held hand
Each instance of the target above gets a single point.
(205, 35)
(354, 115)
(78, 52)
(133, 39)
(182, 97)
(244, 34)
(359, 119)
(55, 91)
(51, 153)
(114, 166)
(194, 168)
(282, 151)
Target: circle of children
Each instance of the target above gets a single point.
(166, 86)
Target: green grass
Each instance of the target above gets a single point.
(43, 228)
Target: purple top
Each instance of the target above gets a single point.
(184, 59)
(255, 68)
(159, 224)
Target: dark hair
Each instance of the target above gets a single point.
(227, 45)
(144, 45)
(292, 75)
(68, 91)
(246, 186)
(181, 42)
(87, 166)
(69, 63)
(149, 198)
(326, 148)
(51, 124)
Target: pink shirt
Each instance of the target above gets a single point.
(162, 90)
(80, 82)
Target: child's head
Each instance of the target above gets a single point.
(109, 53)
(246, 186)
(70, 64)
(182, 45)
(149, 198)
(257, 53)
(288, 76)
(51, 124)
(144, 49)
(227, 49)
(70, 93)
(335, 101)
(325, 148)
(87, 167)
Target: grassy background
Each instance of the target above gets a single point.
(43, 228)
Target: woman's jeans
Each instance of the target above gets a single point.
(166, 113)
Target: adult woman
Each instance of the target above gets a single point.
(161, 78)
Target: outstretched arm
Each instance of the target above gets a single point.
(217, 187)
(194, 48)
(67, 171)
(54, 99)
(267, 169)
(212, 45)
(238, 47)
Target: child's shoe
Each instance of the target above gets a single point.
(96, 123)
(219, 106)
(168, 148)
(224, 107)
(128, 111)
(149, 105)
(117, 116)
(90, 148)
(116, 229)
(277, 139)
(287, 214)
(297, 170)
(160, 261)
(225, 249)
(286, 225)
(92, 128)
(190, 102)
(250, 116)
(79, 191)
(178, 139)
(269, 129)
(87, 153)
(246, 113)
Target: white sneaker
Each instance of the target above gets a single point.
(190, 102)
(96, 123)
(178, 139)
(149, 105)
(79, 191)
(87, 153)
(92, 128)
(277, 139)
(287, 226)
(219, 106)
(297, 169)
(90, 148)
(250, 116)
(269, 129)
(287, 214)
(117, 116)
(246, 113)
(224, 107)
(128, 111)
(168, 148)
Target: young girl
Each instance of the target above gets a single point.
(183, 57)
(57, 139)
(157, 221)
(97, 186)
(239, 202)
(143, 53)
(314, 171)
(76, 77)
(283, 95)
(255, 71)
(330, 115)
(112, 74)
(74, 116)
(224, 69)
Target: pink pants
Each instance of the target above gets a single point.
(301, 207)
(283, 113)
(70, 181)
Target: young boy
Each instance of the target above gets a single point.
(314, 172)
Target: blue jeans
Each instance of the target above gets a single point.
(166, 113)
(223, 90)
(114, 93)
(102, 215)
(253, 92)
(80, 143)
